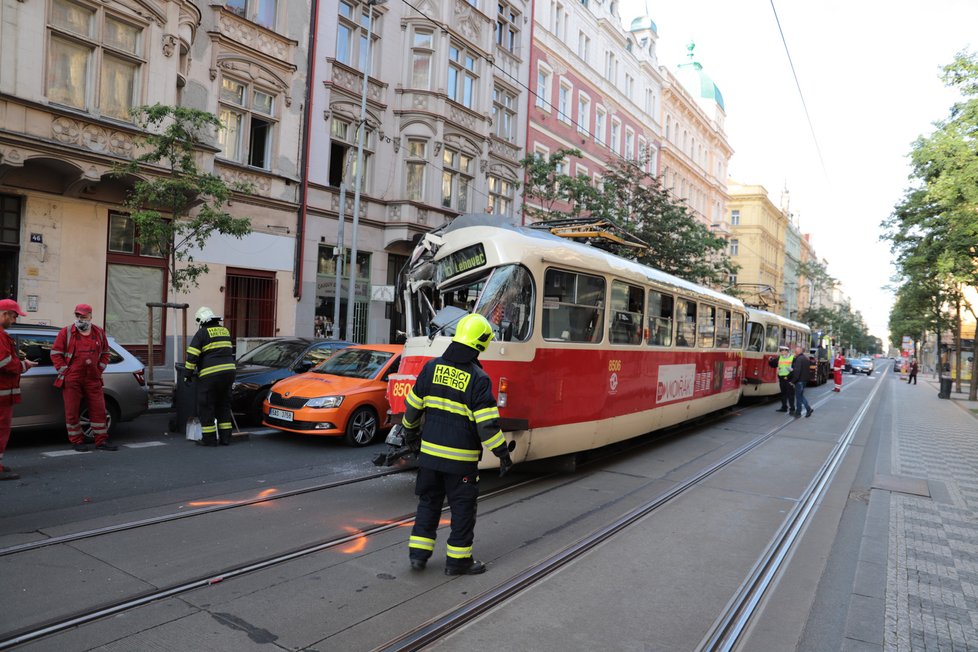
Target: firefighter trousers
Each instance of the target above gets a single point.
(462, 491)
(90, 389)
(214, 404)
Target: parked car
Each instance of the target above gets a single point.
(41, 403)
(345, 396)
(270, 362)
(870, 364)
(859, 366)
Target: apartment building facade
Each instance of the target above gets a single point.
(757, 244)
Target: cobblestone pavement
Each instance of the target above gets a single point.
(932, 571)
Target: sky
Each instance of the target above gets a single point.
(870, 74)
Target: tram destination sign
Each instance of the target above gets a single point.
(461, 261)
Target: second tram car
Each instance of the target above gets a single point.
(767, 331)
(590, 348)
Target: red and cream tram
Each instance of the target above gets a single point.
(767, 331)
(590, 348)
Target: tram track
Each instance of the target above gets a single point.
(437, 628)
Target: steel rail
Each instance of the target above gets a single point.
(440, 626)
(726, 632)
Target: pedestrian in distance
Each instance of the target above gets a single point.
(838, 366)
(913, 372)
(455, 397)
(80, 354)
(783, 364)
(210, 357)
(800, 375)
(11, 367)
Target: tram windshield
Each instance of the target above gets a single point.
(503, 295)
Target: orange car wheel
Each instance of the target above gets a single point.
(362, 427)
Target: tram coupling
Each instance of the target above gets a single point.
(398, 448)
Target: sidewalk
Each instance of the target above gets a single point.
(932, 562)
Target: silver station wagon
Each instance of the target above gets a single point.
(41, 404)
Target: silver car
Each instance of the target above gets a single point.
(41, 403)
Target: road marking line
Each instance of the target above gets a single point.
(63, 453)
(145, 444)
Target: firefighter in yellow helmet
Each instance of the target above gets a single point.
(455, 397)
(210, 357)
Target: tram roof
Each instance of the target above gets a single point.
(599, 261)
(772, 316)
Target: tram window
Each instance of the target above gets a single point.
(736, 331)
(723, 329)
(707, 326)
(507, 302)
(627, 313)
(660, 319)
(685, 322)
(771, 341)
(755, 336)
(573, 307)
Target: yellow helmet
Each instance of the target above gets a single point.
(473, 331)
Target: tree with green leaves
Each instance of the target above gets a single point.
(816, 275)
(636, 202)
(175, 205)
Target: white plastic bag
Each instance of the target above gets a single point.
(194, 430)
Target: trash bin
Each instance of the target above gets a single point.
(184, 401)
(945, 388)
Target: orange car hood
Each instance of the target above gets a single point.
(311, 385)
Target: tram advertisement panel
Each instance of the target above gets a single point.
(676, 382)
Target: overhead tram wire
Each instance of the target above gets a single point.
(804, 104)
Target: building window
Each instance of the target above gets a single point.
(421, 55)
(560, 18)
(456, 179)
(629, 143)
(501, 194)
(540, 152)
(668, 127)
(257, 11)
(629, 86)
(247, 115)
(582, 171)
(616, 136)
(643, 154)
(463, 74)
(122, 238)
(343, 154)
(544, 78)
(416, 162)
(650, 101)
(611, 67)
(95, 59)
(583, 113)
(504, 114)
(353, 24)
(584, 47)
(564, 102)
(734, 218)
(734, 247)
(599, 125)
(507, 27)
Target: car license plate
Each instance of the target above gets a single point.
(284, 415)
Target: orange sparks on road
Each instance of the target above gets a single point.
(355, 546)
(264, 493)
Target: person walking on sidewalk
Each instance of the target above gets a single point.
(80, 354)
(800, 375)
(783, 364)
(913, 372)
(838, 366)
(11, 367)
(211, 357)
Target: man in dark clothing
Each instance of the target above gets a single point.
(211, 357)
(913, 372)
(454, 395)
(800, 374)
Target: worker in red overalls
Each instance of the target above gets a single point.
(11, 367)
(80, 355)
(838, 366)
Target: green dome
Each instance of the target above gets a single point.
(697, 82)
(643, 22)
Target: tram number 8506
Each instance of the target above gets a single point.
(614, 365)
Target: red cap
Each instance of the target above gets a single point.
(83, 309)
(10, 304)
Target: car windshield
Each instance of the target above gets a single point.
(355, 363)
(274, 354)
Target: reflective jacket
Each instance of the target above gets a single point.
(784, 365)
(211, 351)
(11, 367)
(66, 344)
(460, 416)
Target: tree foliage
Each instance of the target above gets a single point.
(846, 327)
(179, 207)
(816, 275)
(636, 202)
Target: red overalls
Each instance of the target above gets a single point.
(80, 360)
(838, 366)
(10, 369)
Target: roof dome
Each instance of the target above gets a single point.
(643, 22)
(697, 82)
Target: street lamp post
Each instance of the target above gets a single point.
(358, 177)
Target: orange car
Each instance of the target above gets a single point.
(344, 396)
